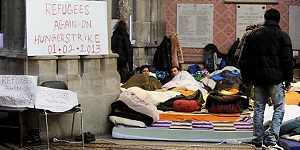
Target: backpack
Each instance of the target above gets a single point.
(210, 57)
(194, 68)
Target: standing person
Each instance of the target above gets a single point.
(240, 46)
(266, 62)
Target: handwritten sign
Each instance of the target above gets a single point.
(18, 90)
(66, 27)
(55, 100)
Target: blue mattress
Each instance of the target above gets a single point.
(289, 144)
(202, 131)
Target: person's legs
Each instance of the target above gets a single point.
(278, 97)
(290, 125)
(261, 94)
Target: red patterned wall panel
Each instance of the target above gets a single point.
(224, 24)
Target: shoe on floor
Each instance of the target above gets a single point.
(32, 138)
(88, 137)
(274, 147)
(259, 146)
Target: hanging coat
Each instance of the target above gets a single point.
(162, 59)
(121, 45)
(177, 54)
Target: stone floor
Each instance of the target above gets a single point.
(108, 143)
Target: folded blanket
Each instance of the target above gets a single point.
(132, 107)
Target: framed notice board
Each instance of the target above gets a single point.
(253, 1)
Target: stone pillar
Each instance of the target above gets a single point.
(13, 27)
(45, 67)
(92, 78)
(68, 71)
(141, 22)
(108, 67)
(149, 29)
(5, 25)
(109, 4)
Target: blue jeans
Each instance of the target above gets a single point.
(261, 96)
(289, 126)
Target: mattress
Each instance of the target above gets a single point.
(289, 144)
(202, 131)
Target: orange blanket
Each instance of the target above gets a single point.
(175, 116)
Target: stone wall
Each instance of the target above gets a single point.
(148, 29)
(94, 78)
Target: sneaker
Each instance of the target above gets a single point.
(259, 146)
(274, 147)
(32, 138)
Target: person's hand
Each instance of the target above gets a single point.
(288, 88)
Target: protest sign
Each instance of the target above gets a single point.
(66, 27)
(18, 90)
(55, 100)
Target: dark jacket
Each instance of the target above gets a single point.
(267, 57)
(120, 44)
(162, 59)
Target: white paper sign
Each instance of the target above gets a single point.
(66, 27)
(55, 100)
(18, 90)
(246, 15)
(195, 24)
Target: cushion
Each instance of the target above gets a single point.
(124, 121)
(186, 105)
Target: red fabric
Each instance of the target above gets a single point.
(226, 108)
(186, 105)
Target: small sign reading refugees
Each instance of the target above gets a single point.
(55, 100)
(18, 90)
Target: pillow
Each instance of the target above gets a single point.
(124, 121)
(186, 105)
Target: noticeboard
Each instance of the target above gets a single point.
(195, 24)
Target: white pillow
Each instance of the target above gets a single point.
(124, 121)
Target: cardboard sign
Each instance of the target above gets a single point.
(18, 90)
(66, 27)
(55, 100)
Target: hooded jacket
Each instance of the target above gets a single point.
(267, 56)
(121, 45)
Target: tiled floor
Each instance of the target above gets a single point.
(108, 143)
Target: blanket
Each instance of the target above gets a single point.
(153, 97)
(132, 107)
(183, 78)
(143, 81)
